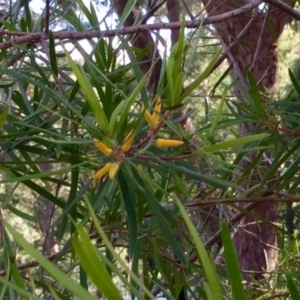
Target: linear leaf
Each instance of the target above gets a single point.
(255, 96)
(115, 254)
(90, 261)
(89, 93)
(129, 201)
(55, 272)
(209, 268)
(236, 142)
(201, 77)
(293, 289)
(232, 263)
(218, 114)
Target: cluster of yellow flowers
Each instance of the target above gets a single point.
(111, 168)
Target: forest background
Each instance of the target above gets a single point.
(149, 148)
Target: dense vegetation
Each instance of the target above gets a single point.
(124, 174)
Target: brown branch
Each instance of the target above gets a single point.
(47, 16)
(285, 7)
(276, 296)
(242, 200)
(188, 10)
(62, 35)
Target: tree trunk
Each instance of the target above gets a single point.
(255, 35)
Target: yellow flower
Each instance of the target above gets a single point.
(162, 143)
(103, 171)
(113, 170)
(152, 119)
(157, 109)
(102, 147)
(110, 168)
(128, 141)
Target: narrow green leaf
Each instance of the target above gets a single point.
(232, 264)
(9, 26)
(55, 272)
(293, 288)
(89, 93)
(93, 16)
(201, 77)
(71, 206)
(3, 116)
(255, 96)
(40, 175)
(21, 214)
(126, 11)
(130, 101)
(295, 82)
(89, 258)
(213, 181)
(290, 172)
(115, 255)
(169, 71)
(114, 116)
(178, 88)
(129, 201)
(87, 13)
(14, 271)
(156, 209)
(235, 142)
(178, 49)
(208, 267)
(52, 54)
(218, 114)
(83, 277)
(6, 85)
(20, 291)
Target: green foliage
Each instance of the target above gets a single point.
(133, 230)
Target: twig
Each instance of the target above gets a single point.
(276, 296)
(188, 10)
(47, 16)
(62, 35)
(285, 7)
(242, 200)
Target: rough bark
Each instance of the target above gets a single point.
(256, 51)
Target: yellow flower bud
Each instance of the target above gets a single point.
(103, 171)
(128, 141)
(113, 170)
(162, 143)
(157, 106)
(157, 109)
(102, 147)
(150, 119)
